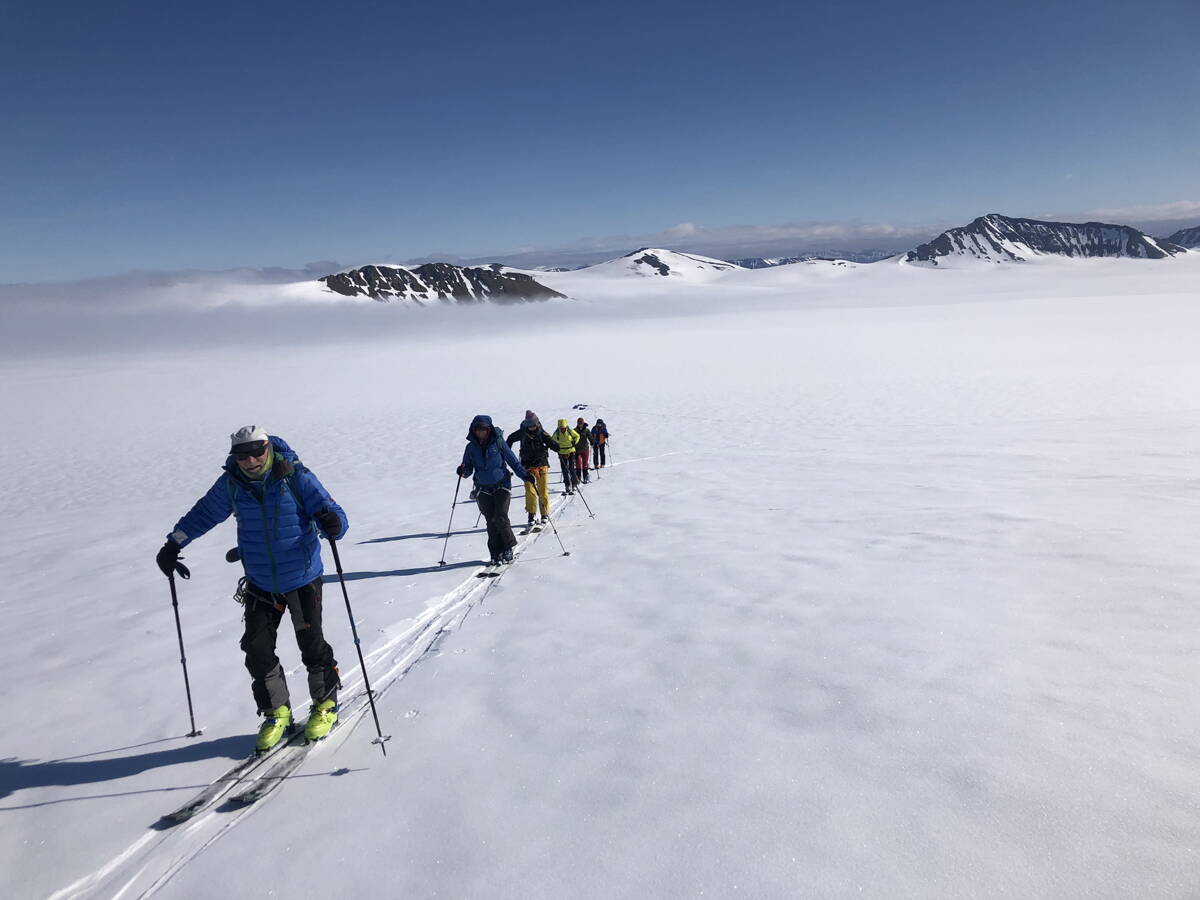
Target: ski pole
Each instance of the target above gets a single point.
(565, 551)
(585, 503)
(454, 503)
(381, 740)
(183, 573)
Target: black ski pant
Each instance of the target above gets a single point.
(569, 476)
(493, 503)
(264, 613)
(601, 456)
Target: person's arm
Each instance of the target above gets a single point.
(210, 511)
(511, 459)
(320, 506)
(467, 468)
(515, 436)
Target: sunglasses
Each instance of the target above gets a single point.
(251, 454)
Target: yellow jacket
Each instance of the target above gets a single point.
(566, 438)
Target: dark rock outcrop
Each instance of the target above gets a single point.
(440, 281)
(1188, 238)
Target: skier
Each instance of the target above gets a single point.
(534, 457)
(599, 439)
(566, 438)
(484, 457)
(281, 510)
(582, 451)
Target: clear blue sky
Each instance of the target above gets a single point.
(156, 135)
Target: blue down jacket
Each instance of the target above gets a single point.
(276, 533)
(487, 461)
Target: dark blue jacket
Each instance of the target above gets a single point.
(276, 533)
(487, 461)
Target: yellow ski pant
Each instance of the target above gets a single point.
(540, 491)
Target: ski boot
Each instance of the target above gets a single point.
(506, 557)
(321, 719)
(277, 723)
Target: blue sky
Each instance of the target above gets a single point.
(166, 136)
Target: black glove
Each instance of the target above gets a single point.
(530, 478)
(168, 560)
(329, 522)
(459, 471)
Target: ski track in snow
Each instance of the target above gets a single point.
(160, 856)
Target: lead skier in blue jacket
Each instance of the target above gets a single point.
(281, 508)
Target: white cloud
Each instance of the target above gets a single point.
(1177, 210)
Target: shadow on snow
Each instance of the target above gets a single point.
(24, 774)
(400, 573)
(422, 534)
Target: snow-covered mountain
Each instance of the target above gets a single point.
(997, 238)
(1188, 238)
(650, 262)
(439, 281)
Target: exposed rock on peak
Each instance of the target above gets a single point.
(440, 281)
(1188, 238)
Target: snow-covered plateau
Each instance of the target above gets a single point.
(891, 590)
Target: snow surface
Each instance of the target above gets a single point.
(891, 592)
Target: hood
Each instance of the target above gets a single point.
(562, 425)
(531, 419)
(481, 420)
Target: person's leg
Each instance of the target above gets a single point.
(486, 501)
(542, 474)
(499, 520)
(315, 651)
(530, 497)
(267, 681)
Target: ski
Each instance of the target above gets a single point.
(269, 779)
(273, 776)
(493, 571)
(226, 782)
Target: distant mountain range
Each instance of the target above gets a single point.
(997, 238)
(768, 262)
(992, 238)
